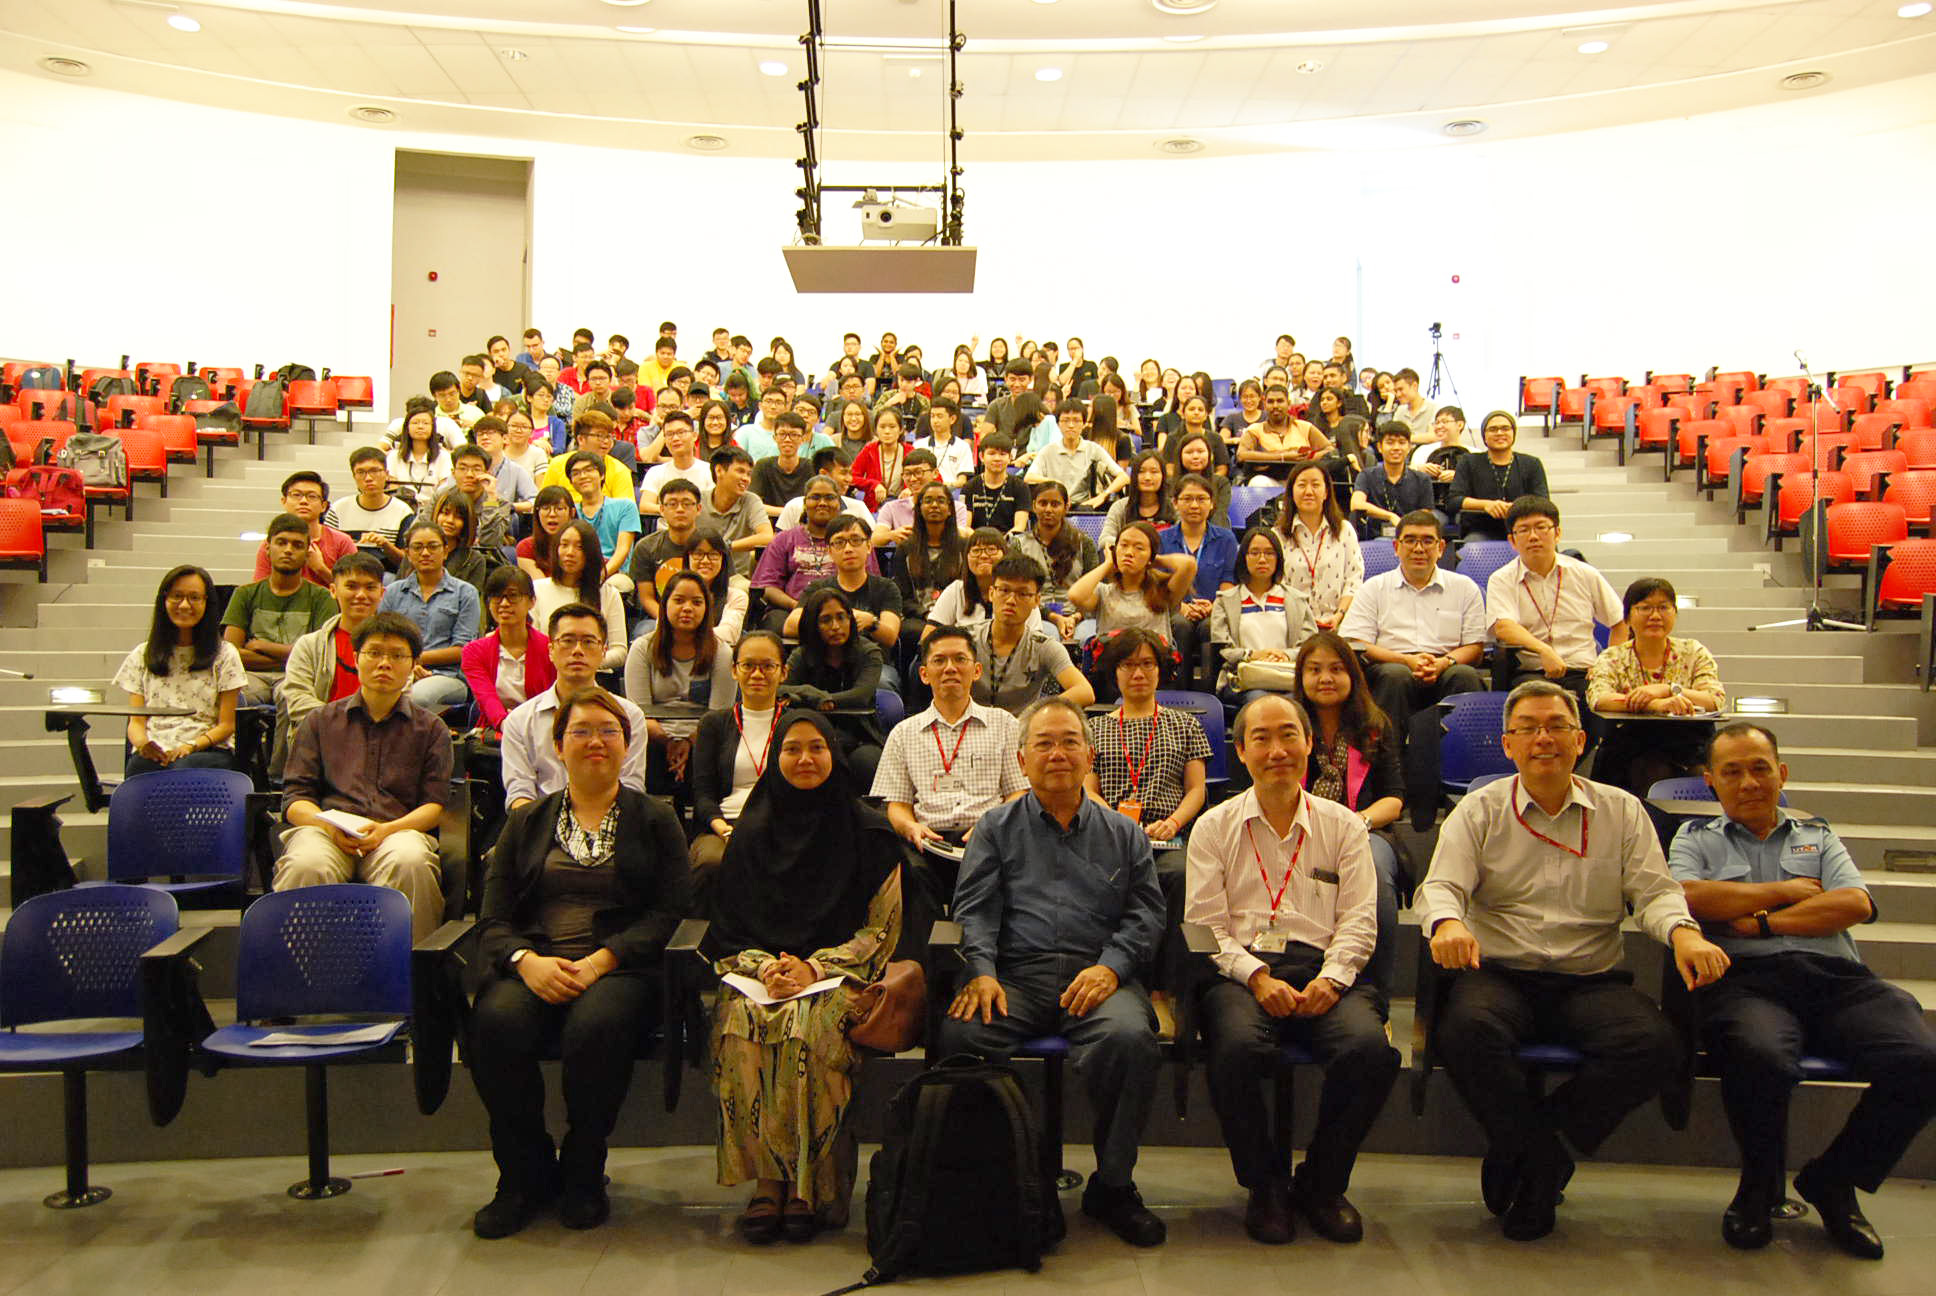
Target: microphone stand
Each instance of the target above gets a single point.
(1817, 617)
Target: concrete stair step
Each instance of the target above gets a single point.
(1916, 768)
(1873, 732)
(49, 757)
(1870, 843)
(1867, 802)
(1902, 897)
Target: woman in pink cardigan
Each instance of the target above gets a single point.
(498, 685)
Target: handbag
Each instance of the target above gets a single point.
(887, 1016)
(1272, 676)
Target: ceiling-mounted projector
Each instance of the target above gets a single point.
(895, 222)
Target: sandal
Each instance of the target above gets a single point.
(798, 1221)
(760, 1222)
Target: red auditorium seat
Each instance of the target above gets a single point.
(1609, 419)
(1774, 402)
(311, 401)
(354, 392)
(89, 375)
(36, 404)
(222, 381)
(1798, 493)
(1852, 398)
(1874, 382)
(1717, 465)
(1671, 382)
(1754, 476)
(1872, 431)
(23, 541)
(177, 433)
(1864, 467)
(12, 372)
(1745, 420)
(1605, 387)
(1915, 490)
(1920, 447)
(124, 411)
(1820, 414)
(1728, 386)
(147, 460)
(1909, 575)
(1909, 411)
(1539, 395)
(1919, 386)
(1656, 429)
(1647, 396)
(1796, 387)
(1834, 446)
(1571, 405)
(46, 433)
(1783, 433)
(1855, 525)
(9, 413)
(153, 376)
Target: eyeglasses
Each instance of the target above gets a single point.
(821, 497)
(848, 542)
(1138, 667)
(1559, 729)
(578, 641)
(507, 596)
(759, 667)
(185, 600)
(305, 497)
(1043, 746)
(604, 733)
(1418, 542)
(424, 546)
(385, 654)
(1534, 529)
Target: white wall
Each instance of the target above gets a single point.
(1729, 239)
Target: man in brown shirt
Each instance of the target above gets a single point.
(377, 755)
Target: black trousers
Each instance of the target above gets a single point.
(1414, 711)
(597, 1036)
(1768, 1011)
(1359, 1068)
(1489, 1014)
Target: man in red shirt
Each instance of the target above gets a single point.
(306, 495)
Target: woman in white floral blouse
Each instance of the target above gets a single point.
(1322, 560)
(184, 663)
(1653, 673)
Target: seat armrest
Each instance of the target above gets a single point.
(174, 1019)
(687, 936)
(944, 943)
(439, 1009)
(945, 935)
(1197, 938)
(682, 1016)
(445, 937)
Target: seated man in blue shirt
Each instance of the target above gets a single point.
(1780, 894)
(1385, 492)
(1214, 548)
(1059, 909)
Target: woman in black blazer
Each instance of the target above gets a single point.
(581, 894)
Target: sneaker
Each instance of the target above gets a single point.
(1123, 1211)
(507, 1213)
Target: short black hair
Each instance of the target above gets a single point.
(469, 450)
(1644, 588)
(576, 610)
(584, 457)
(503, 579)
(360, 561)
(1741, 729)
(1421, 518)
(394, 624)
(596, 364)
(1017, 567)
(283, 522)
(727, 455)
(364, 454)
(1394, 429)
(304, 475)
(1531, 506)
(680, 486)
(941, 632)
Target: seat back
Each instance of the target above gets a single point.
(77, 953)
(1782, 434)
(176, 823)
(1919, 387)
(1611, 411)
(1871, 431)
(1919, 447)
(354, 392)
(1755, 470)
(342, 948)
(889, 709)
(1090, 524)
(1571, 403)
(1656, 427)
(1208, 709)
(1800, 490)
(1854, 525)
(1875, 383)
(21, 533)
(1774, 402)
(1605, 388)
(38, 404)
(313, 397)
(1470, 746)
(1910, 411)
(1246, 500)
(1795, 385)
(1479, 559)
(1537, 394)
(1678, 382)
(1744, 420)
(1380, 555)
(134, 407)
(1911, 573)
(1693, 429)
(177, 431)
(1864, 466)
(1731, 384)
(145, 449)
(1834, 446)
(1852, 398)
(1820, 416)
(1915, 490)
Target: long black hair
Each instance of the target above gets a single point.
(592, 575)
(162, 638)
(1065, 550)
(951, 562)
(710, 538)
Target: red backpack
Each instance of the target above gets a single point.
(60, 491)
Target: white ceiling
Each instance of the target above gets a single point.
(1394, 77)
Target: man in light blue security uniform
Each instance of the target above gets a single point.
(1779, 893)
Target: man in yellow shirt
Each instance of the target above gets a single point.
(591, 432)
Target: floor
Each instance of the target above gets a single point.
(206, 1228)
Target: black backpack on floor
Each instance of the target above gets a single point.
(957, 1184)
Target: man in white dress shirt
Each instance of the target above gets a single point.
(532, 768)
(1285, 883)
(1545, 604)
(1528, 888)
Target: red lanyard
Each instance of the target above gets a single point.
(1559, 584)
(1584, 825)
(948, 758)
(1149, 741)
(1277, 899)
(766, 751)
(1312, 559)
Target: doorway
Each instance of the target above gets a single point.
(460, 262)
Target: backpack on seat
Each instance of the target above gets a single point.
(957, 1184)
(295, 373)
(267, 401)
(102, 461)
(108, 385)
(186, 388)
(62, 496)
(41, 378)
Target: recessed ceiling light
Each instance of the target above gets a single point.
(181, 22)
(1048, 74)
(1310, 66)
(252, 536)
(374, 114)
(1184, 6)
(1804, 80)
(513, 55)
(914, 72)
(626, 4)
(1914, 10)
(65, 66)
(1615, 537)
(773, 67)
(1461, 129)
(636, 31)
(705, 143)
(1181, 146)
(1594, 47)
(1190, 38)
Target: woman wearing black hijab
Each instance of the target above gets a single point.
(809, 888)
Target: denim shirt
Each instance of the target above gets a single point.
(449, 618)
(1028, 888)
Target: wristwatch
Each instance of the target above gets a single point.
(1675, 690)
(1761, 921)
(517, 954)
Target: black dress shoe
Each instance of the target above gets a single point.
(1746, 1224)
(1334, 1218)
(1268, 1216)
(1842, 1218)
(1532, 1213)
(584, 1208)
(507, 1213)
(1123, 1211)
